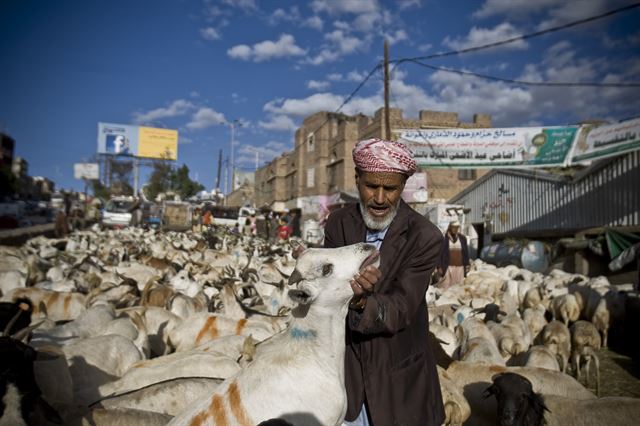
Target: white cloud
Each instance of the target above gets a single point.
(278, 122)
(515, 7)
(205, 117)
(285, 46)
(339, 43)
(306, 106)
(425, 47)
(246, 5)
(338, 7)
(317, 85)
(567, 11)
(176, 108)
(266, 152)
(549, 12)
(481, 36)
(356, 76)
(408, 4)
(210, 33)
(194, 94)
(397, 36)
(240, 51)
(314, 22)
(281, 15)
(334, 76)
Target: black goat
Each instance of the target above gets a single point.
(20, 400)
(15, 316)
(491, 312)
(518, 405)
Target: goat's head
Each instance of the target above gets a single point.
(322, 275)
(518, 404)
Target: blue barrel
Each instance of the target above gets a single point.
(531, 255)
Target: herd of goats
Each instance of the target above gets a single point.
(132, 326)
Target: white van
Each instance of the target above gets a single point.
(118, 212)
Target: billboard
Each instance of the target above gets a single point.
(136, 141)
(607, 140)
(506, 147)
(89, 171)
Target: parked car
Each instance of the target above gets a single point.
(119, 212)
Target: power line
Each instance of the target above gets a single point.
(520, 82)
(523, 37)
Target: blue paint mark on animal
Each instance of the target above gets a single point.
(460, 317)
(300, 334)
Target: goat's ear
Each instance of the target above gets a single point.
(491, 390)
(297, 248)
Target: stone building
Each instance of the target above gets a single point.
(321, 163)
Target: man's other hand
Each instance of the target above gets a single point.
(364, 281)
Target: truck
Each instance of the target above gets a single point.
(177, 216)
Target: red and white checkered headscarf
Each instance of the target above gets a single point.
(378, 155)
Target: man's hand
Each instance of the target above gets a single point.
(364, 281)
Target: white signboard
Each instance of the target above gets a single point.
(89, 171)
(605, 141)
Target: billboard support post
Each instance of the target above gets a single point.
(136, 175)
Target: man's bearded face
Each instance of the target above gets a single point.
(379, 197)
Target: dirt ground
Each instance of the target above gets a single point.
(619, 375)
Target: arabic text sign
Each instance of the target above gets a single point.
(607, 140)
(158, 143)
(148, 142)
(86, 171)
(507, 147)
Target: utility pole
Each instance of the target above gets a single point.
(232, 125)
(387, 121)
(219, 169)
(257, 156)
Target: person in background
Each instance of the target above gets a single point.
(254, 224)
(295, 224)
(454, 259)
(284, 232)
(390, 369)
(274, 223)
(207, 218)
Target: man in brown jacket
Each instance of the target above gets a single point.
(390, 371)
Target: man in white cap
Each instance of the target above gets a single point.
(454, 260)
(390, 371)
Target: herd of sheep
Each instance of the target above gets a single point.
(132, 326)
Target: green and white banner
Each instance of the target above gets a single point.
(606, 140)
(499, 147)
(516, 147)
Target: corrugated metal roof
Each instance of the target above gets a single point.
(605, 194)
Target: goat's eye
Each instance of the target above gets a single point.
(327, 269)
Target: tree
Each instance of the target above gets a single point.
(160, 179)
(8, 183)
(183, 185)
(120, 171)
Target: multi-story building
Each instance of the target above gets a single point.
(7, 145)
(321, 163)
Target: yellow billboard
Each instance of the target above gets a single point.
(158, 143)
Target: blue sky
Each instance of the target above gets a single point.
(191, 64)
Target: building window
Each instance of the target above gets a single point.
(311, 138)
(467, 174)
(311, 175)
(332, 175)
